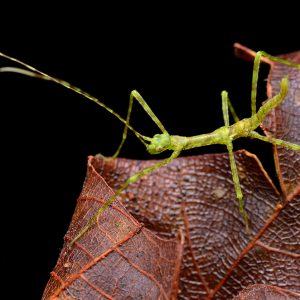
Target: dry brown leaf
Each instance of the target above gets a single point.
(265, 292)
(118, 258)
(195, 194)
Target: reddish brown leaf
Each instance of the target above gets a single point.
(265, 292)
(284, 123)
(219, 257)
(118, 258)
(196, 195)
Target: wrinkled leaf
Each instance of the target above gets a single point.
(219, 257)
(265, 292)
(284, 123)
(195, 195)
(117, 259)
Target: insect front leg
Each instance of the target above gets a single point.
(232, 111)
(134, 95)
(124, 135)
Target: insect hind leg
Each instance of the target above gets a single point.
(274, 141)
(256, 66)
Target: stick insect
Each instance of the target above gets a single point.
(163, 141)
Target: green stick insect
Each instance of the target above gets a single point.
(163, 141)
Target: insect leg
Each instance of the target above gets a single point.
(232, 111)
(274, 141)
(236, 183)
(280, 60)
(33, 72)
(136, 95)
(271, 103)
(255, 72)
(256, 66)
(130, 180)
(124, 135)
(233, 167)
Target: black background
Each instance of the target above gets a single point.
(179, 58)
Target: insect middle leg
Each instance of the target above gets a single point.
(233, 167)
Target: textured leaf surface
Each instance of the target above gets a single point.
(194, 195)
(117, 258)
(219, 257)
(265, 292)
(284, 123)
